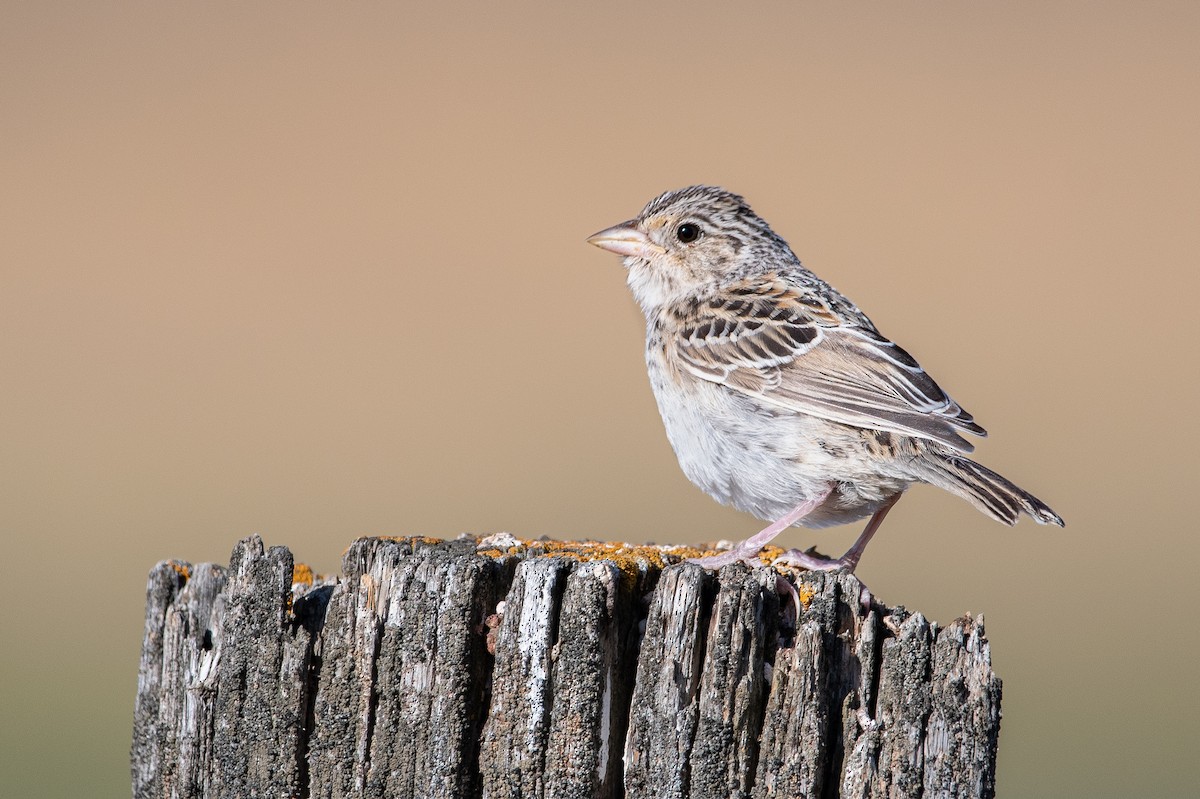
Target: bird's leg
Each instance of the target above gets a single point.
(746, 550)
(849, 561)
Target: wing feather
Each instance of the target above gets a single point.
(771, 341)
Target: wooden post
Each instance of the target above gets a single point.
(540, 669)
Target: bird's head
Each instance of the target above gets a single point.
(690, 240)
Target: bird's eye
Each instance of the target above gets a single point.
(687, 232)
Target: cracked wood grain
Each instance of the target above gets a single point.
(543, 669)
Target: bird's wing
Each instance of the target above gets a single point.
(789, 348)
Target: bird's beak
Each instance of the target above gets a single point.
(626, 239)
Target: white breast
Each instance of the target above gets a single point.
(758, 458)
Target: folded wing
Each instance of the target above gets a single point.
(788, 348)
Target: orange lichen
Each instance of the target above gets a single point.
(626, 557)
(412, 539)
(182, 569)
(302, 574)
(769, 553)
(806, 595)
(632, 561)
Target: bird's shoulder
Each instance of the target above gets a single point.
(747, 304)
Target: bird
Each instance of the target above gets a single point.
(778, 395)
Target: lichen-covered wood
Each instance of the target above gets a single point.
(510, 669)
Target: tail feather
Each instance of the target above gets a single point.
(991, 493)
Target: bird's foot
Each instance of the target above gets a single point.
(813, 561)
(747, 551)
(742, 552)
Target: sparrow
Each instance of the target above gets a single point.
(779, 396)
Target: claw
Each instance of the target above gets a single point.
(784, 586)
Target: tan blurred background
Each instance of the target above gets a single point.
(319, 271)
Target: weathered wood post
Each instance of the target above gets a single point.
(543, 669)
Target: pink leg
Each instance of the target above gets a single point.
(746, 550)
(849, 561)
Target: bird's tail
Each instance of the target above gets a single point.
(996, 496)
